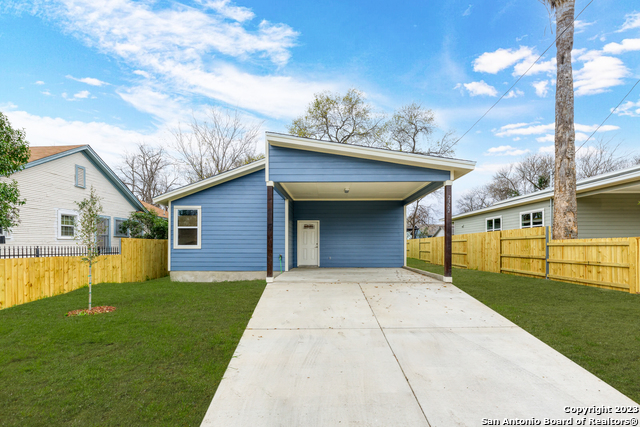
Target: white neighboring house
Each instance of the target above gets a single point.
(54, 179)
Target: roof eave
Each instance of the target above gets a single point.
(187, 190)
(458, 166)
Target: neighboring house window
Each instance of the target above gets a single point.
(81, 177)
(494, 224)
(117, 232)
(532, 219)
(104, 240)
(66, 224)
(4, 233)
(187, 222)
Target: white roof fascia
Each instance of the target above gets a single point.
(610, 179)
(459, 167)
(210, 182)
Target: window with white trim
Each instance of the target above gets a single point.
(81, 177)
(187, 225)
(532, 219)
(493, 224)
(67, 224)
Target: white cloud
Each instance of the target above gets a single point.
(591, 128)
(136, 31)
(632, 20)
(142, 73)
(541, 87)
(580, 26)
(548, 149)
(627, 45)
(494, 62)
(629, 108)
(185, 49)
(237, 13)
(88, 80)
(547, 131)
(468, 11)
(82, 94)
(548, 67)
(479, 88)
(523, 129)
(107, 140)
(39, 82)
(46, 92)
(514, 94)
(598, 74)
(505, 150)
(168, 110)
(546, 138)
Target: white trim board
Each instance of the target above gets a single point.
(286, 234)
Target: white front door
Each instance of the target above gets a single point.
(308, 243)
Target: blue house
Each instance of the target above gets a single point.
(309, 203)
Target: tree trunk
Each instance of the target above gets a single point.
(565, 208)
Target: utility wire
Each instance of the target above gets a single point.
(607, 118)
(523, 74)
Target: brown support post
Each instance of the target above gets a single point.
(269, 232)
(447, 231)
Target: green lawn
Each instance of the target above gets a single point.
(597, 328)
(156, 360)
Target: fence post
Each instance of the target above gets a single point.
(546, 251)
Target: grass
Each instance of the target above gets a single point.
(598, 329)
(156, 360)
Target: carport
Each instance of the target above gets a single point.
(345, 205)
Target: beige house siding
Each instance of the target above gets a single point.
(609, 215)
(49, 187)
(599, 216)
(510, 218)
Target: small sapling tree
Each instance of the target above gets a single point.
(87, 229)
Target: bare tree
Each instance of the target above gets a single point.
(506, 183)
(536, 172)
(347, 119)
(410, 129)
(601, 158)
(219, 142)
(147, 172)
(420, 216)
(474, 199)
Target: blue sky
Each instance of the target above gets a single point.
(114, 73)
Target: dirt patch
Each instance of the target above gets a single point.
(94, 310)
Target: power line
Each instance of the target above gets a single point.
(610, 114)
(523, 74)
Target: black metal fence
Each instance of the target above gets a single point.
(49, 251)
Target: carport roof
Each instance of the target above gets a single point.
(457, 167)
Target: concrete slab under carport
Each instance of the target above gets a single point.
(388, 347)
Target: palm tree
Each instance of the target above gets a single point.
(565, 206)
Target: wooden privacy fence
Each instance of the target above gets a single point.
(607, 263)
(24, 280)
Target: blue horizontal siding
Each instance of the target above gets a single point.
(290, 165)
(356, 234)
(234, 227)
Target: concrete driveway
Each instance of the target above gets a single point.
(389, 347)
